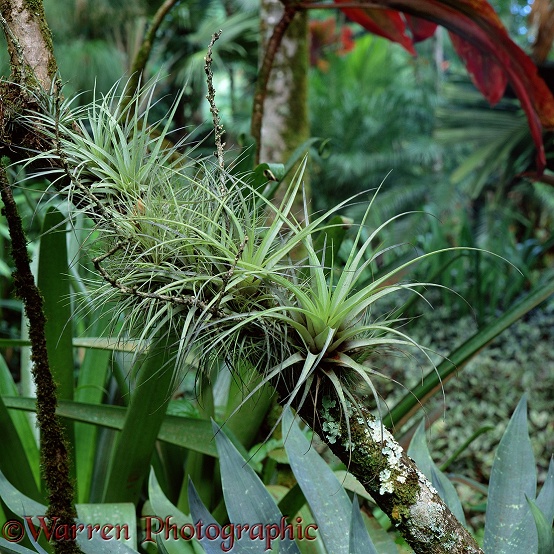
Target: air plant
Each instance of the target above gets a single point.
(183, 245)
(193, 252)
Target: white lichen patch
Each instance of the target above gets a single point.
(331, 430)
(426, 514)
(424, 482)
(392, 452)
(386, 482)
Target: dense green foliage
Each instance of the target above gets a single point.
(150, 373)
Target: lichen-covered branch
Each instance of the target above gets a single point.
(374, 457)
(53, 448)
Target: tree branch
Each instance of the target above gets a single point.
(53, 448)
(143, 55)
(374, 457)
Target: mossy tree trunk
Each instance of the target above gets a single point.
(33, 69)
(285, 123)
(280, 117)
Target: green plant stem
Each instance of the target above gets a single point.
(53, 449)
(143, 55)
(374, 457)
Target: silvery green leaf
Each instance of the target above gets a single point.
(246, 498)
(328, 501)
(360, 542)
(508, 525)
(544, 529)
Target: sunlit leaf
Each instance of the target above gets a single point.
(385, 23)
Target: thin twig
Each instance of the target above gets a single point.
(218, 128)
(179, 300)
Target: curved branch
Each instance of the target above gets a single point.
(143, 55)
(374, 457)
(53, 448)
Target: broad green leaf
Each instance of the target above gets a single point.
(545, 500)
(98, 343)
(122, 516)
(513, 476)
(91, 382)
(448, 368)
(543, 528)
(326, 497)
(164, 509)
(22, 506)
(246, 498)
(14, 548)
(19, 457)
(360, 543)
(419, 452)
(19, 503)
(200, 513)
(131, 458)
(191, 433)
(526, 531)
(246, 421)
(292, 502)
(53, 283)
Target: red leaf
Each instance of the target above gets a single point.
(486, 73)
(421, 29)
(385, 23)
(491, 56)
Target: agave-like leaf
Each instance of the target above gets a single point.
(246, 498)
(513, 477)
(326, 497)
(545, 536)
(360, 543)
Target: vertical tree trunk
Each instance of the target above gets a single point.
(29, 42)
(33, 68)
(285, 123)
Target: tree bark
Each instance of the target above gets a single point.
(33, 68)
(29, 43)
(285, 123)
(374, 457)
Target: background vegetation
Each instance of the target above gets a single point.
(415, 124)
